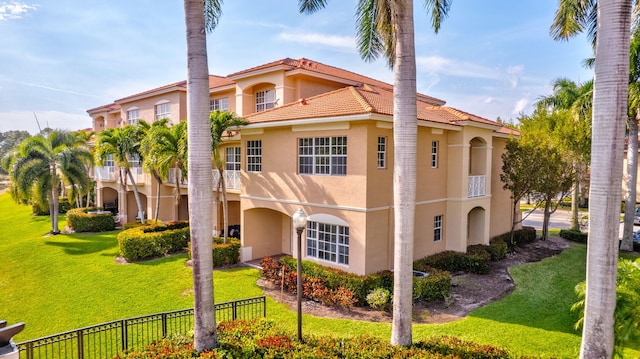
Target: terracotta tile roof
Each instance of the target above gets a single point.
(359, 100)
(219, 81)
(509, 131)
(180, 85)
(109, 107)
(320, 68)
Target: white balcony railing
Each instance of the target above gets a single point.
(477, 186)
(175, 175)
(104, 173)
(231, 178)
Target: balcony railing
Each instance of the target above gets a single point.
(477, 185)
(104, 173)
(175, 175)
(231, 178)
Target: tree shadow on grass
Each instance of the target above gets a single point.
(156, 261)
(79, 244)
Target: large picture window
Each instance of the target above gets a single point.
(265, 100)
(328, 242)
(323, 156)
(254, 156)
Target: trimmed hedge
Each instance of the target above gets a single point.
(435, 286)
(456, 261)
(81, 221)
(135, 244)
(224, 254)
(263, 338)
(574, 235)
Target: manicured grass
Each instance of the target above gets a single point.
(64, 282)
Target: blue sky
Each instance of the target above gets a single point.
(59, 58)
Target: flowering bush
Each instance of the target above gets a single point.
(378, 298)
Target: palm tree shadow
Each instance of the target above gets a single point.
(81, 244)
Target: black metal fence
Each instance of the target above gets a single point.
(106, 340)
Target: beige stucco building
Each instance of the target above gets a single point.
(320, 138)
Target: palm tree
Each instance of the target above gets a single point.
(200, 16)
(632, 148)
(221, 121)
(123, 143)
(42, 163)
(82, 138)
(611, 22)
(575, 98)
(166, 149)
(387, 27)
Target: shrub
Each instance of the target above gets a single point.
(135, 244)
(379, 298)
(81, 221)
(433, 287)
(42, 209)
(520, 237)
(225, 254)
(455, 261)
(498, 249)
(574, 235)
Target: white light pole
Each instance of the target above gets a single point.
(299, 223)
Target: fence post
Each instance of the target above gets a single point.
(164, 325)
(30, 350)
(125, 339)
(80, 344)
(234, 309)
(264, 307)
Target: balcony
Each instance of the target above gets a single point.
(477, 185)
(138, 174)
(104, 173)
(175, 175)
(231, 178)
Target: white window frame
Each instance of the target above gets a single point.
(133, 115)
(254, 156)
(109, 162)
(135, 160)
(265, 100)
(163, 110)
(434, 154)
(221, 104)
(322, 156)
(382, 152)
(437, 227)
(232, 158)
(328, 242)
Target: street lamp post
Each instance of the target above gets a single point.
(299, 223)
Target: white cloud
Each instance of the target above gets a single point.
(321, 39)
(514, 74)
(14, 10)
(520, 105)
(452, 67)
(489, 100)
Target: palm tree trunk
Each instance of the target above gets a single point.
(609, 117)
(405, 130)
(136, 195)
(177, 190)
(200, 176)
(225, 213)
(53, 208)
(575, 210)
(157, 201)
(630, 193)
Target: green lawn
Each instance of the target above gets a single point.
(58, 283)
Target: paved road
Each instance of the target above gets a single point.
(560, 219)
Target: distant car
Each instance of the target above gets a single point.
(636, 236)
(636, 219)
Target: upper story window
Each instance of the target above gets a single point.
(382, 152)
(434, 154)
(329, 242)
(437, 228)
(232, 157)
(221, 104)
(254, 155)
(109, 162)
(133, 115)
(323, 156)
(163, 110)
(265, 100)
(135, 160)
